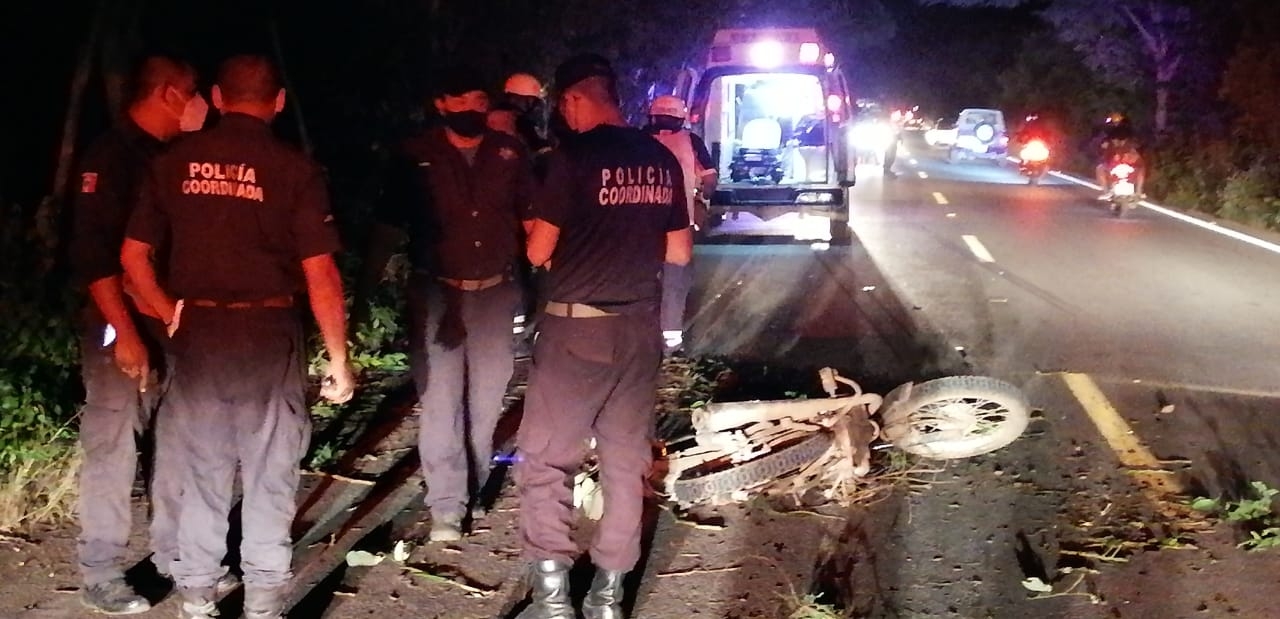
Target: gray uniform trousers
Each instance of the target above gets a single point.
(591, 377)
(238, 398)
(461, 384)
(677, 279)
(113, 414)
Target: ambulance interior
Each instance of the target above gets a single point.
(767, 128)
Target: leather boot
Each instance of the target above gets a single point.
(198, 604)
(264, 602)
(604, 600)
(550, 583)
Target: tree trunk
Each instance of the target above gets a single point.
(1161, 119)
(294, 103)
(71, 124)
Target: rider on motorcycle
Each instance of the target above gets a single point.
(1033, 128)
(1119, 145)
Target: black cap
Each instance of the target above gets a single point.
(459, 80)
(581, 67)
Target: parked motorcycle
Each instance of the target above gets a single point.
(1124, 193)
(791, 446)
(1033, 161)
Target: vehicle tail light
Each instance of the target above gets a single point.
(1034, 151)
(1123, 170)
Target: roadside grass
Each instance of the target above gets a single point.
(808, 607)
(1252, 514)
(40, 491)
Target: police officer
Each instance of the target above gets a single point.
(121, 340)
(464, 195)
(611, 213)
(247, 222)
(666, 124)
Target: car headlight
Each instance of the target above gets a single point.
(870, 136)
(815, 197)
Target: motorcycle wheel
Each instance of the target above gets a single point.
(1035, 179)
(1117, 210)
(956, 417)
(719, 485)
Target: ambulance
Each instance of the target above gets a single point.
(772, 106)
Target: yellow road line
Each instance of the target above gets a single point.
(939, 198)
(1133, 454)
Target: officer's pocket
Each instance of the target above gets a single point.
(591, 346)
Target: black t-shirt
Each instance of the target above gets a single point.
(111, 176)
(463, 211)
(240, 210)
(614, 193)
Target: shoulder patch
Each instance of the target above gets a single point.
(328, 219)
(89, 182)
(424, 164)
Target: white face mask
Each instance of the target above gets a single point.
(193, 114)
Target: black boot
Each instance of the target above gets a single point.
(604, 600)
(550, 583)
(264, 602)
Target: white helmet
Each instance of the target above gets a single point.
(523, 84)
(668, 105)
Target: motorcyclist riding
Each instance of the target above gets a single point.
(1033, 128)
(1119, 145)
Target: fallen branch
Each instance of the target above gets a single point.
(697, 571)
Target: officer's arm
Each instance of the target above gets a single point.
(98, 219)
(679, 234)
(708, 176)
(324, 288)
(138, 258)
(542, 242)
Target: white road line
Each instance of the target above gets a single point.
(1195, 221)
(922, 174)
(939, 198)
(979, 250)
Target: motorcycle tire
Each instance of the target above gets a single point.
(996, 409)
(1035, 180)
(720, 485)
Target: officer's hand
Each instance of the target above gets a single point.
(131, 357)
(339, 383)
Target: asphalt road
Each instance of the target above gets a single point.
(1144, 343)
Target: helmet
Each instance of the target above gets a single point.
(523, 84)
(1032, 117)
(668, 105)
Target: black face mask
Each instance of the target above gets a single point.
(667, 123)
(524, 105)
(468, 124)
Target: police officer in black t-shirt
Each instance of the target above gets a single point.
(464, 194)
(247, 222)
(122, 340)
(611, 212)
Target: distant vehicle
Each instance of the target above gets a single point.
(942, 134)
(980, 134)
(773, 106)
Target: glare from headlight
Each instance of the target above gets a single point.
(870, 136)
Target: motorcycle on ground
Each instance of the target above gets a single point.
(738, 449)
(1033, 160)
